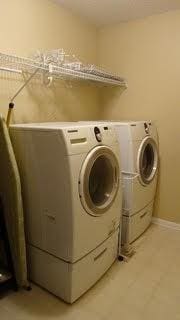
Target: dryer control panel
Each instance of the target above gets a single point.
(147, 127)
(141, 129)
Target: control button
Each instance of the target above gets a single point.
(98, 135)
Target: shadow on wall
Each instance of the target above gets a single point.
(63, 101)
(109, 97)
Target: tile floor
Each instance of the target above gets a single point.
(145, 287)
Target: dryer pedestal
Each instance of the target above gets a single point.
(70, 280)
(134, 225)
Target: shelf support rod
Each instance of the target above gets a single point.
(10, 70)
(24, 85)
(11, 104)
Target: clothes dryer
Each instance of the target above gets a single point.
(139, 157)
(138, 141)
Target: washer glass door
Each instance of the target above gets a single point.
(147, 161)
(99, 180)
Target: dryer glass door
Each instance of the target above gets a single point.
(99, 180)
(147, 161)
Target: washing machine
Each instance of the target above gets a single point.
(71, 184)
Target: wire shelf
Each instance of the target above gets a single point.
(57, 64)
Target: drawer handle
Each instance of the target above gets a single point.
(100, 254)
(144, 214)
(49, 216)
(79, 140)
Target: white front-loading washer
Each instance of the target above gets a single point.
(71, 186)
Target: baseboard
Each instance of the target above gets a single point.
(166, 223)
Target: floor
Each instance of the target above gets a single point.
(145, 287)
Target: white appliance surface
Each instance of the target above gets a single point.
(134, 226)
(138, 141)
(68, 216)
(70, 280)
(139, 158)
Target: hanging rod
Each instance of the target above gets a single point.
(10, 70)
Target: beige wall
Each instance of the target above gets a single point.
(28, 25)
(147, 52)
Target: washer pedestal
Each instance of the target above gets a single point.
(70, 280)
(134, 225)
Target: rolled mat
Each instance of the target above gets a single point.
(11, 197)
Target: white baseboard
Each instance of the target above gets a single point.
(166, 223)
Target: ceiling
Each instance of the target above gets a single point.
(103, 12)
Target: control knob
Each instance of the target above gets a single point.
(97, 133)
